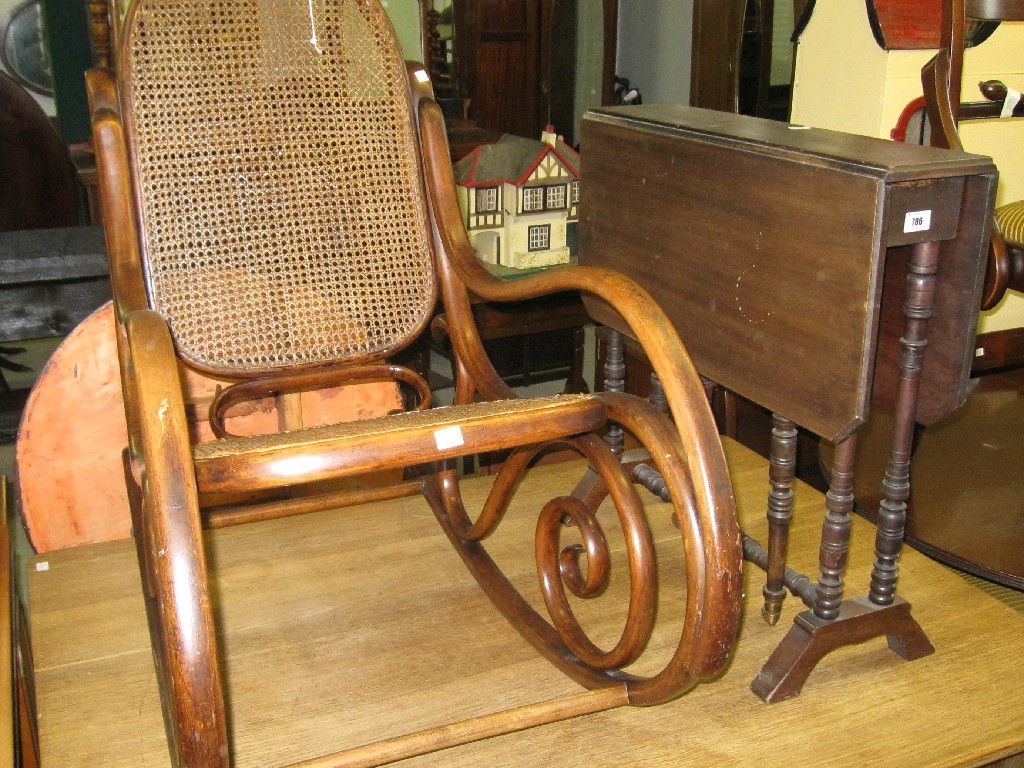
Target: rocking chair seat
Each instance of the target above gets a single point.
(273, 460)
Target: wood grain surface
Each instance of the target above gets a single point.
(766, 245)
(344, 627)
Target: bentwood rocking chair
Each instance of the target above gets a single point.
(280, 211)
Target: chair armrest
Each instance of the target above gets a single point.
(1010, 101)
(154, 396)
(159, 451)
(643, 319)
(178, 601)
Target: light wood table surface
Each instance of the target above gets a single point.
(346, 626)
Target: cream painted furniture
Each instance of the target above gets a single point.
(844, 81)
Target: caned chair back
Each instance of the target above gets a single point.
(276, 170)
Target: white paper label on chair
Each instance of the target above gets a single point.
(1010, 102)
(449, 437)
(917, 221)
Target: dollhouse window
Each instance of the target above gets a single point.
(555, 197)
(540, 237)
(487, 199)
(533, 199)
(575, 187)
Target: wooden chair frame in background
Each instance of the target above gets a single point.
(942, 79)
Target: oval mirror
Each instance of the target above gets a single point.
(23, 49)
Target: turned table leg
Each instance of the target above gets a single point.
(781, 473)
(657, 394)
(835, 532)
(834, 622)
(591, 490)
(918, 306)
(615, 381)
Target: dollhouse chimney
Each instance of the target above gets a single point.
(549, 136)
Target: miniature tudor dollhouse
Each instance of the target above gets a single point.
(520, 200)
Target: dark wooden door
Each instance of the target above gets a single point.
(516, 61)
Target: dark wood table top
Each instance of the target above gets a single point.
(778, 251)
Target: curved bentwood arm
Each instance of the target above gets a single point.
(688, 453)
(177, 601)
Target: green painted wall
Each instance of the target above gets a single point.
(67, 32)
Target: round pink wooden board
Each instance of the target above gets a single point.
(69, 469)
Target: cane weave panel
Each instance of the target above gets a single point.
(431, 419)
(282, 211)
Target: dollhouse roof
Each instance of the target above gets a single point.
(511, 159)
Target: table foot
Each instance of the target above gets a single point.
(812, 638)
